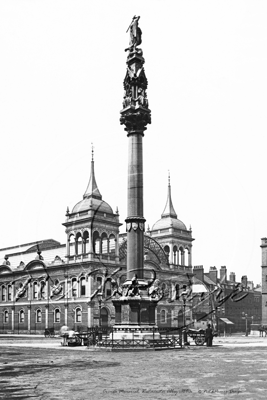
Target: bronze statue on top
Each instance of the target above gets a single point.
(135, 34)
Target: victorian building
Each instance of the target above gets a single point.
(46, 284)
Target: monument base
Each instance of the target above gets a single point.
(136, 332)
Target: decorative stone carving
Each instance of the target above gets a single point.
(55, 290)
(22, 290)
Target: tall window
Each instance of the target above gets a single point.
(163, 316)
(35, 290)
(177, 294)
(83, 287)
(74, 287)
(78, 315)
(9, 292)
(99, 281)
(57, 315)
(3, 293)
(108, 288)
(6, 317)
(38, 316)
(42, 290)
(21, 316)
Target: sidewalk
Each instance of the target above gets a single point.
(39, 341)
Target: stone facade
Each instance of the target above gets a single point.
(47, 285)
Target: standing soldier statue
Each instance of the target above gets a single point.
(135, 34)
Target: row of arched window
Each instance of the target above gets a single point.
(102, 244)
(39, 316)
(179, 256)
(39, 290)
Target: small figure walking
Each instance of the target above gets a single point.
(209, 336)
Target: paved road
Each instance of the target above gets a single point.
(234, 368)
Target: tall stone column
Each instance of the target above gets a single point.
(135, 116)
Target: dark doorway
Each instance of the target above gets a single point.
(180, 319)
(104, 317)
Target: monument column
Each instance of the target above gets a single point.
(135, 116)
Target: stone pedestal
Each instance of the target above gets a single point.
(135, 318)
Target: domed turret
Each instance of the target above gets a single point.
(91, 226)
(92, 199)
(169, 217)
(173, 235)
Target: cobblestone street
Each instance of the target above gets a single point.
(40, 368)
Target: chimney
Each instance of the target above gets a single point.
(213, 274)
(232, 277)
(198, 271)
(244, 281)
(223, 274)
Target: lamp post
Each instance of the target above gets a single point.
(245, 316)
(99, 298)
(184, 297)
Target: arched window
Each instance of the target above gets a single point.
(3, 293)
(57, 315)
(163, 316)
(6, 317)
(38, 316)
(83, 286)
(98, 282)
(79, 242)
(74, 287)
(35, 290)
(112, 244)
(86, 241)
(175, 258)
(108, 288)
(96, 243)
(9, 292)
(181, 255)
(177, 294)
(167, 250)
(187, 252)
(78, 317)
(104, 243)
(72, 245)
(21, 316)
(42, 290)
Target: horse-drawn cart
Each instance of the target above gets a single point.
(198, 335)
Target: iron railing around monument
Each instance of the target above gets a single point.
(103, 337)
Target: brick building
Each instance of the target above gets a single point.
(234, 314)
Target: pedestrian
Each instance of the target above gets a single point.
(209, 336)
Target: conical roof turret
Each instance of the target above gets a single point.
(169, 217)
(92, 189)
(92, 198)
(169, 209)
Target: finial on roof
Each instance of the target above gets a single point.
(6, 262)
(67, 212)
(40, 257)
(92, 189)
(169, 209)
(117, 210)
(92, 151)
(190, 228)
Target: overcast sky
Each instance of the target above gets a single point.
(61, 88)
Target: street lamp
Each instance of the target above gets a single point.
(245, 316)
(99, 298)
(184, 297)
